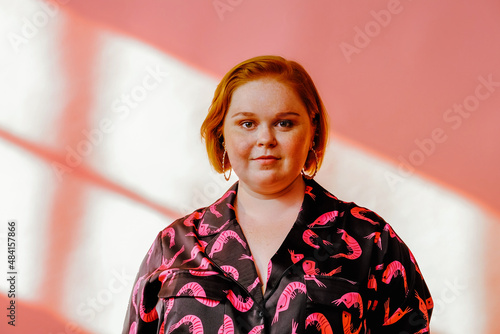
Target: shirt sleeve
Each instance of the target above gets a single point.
(401, 301)
(142, 316)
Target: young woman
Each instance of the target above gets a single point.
(276, 253)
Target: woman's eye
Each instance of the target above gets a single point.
(285, 123)
(247, 124)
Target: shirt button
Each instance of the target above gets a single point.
(261, 314)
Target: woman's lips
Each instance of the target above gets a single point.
(267, 159)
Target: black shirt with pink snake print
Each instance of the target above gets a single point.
(341, 269)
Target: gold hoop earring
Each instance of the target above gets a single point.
(309, 177)
(223, 161)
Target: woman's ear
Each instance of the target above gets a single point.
(314, 136)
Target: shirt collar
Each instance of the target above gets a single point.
(220, 217)
(219, 214)
(317, 202)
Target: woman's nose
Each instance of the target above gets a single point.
(266, 137)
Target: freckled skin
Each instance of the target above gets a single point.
(267, 118)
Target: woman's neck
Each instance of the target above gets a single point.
(253, 204)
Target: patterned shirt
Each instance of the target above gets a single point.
(340, 269)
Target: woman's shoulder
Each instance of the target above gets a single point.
(202, 222)
(359, 222)
(189, 220)
(184, 226)
(323, 202)
(369, 230)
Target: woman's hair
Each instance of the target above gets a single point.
(285, 71)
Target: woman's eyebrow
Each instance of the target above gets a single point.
(288, 113)
(243, 113)
(250, 114)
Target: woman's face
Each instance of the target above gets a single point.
(268, 134)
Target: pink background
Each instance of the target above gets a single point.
(414, 123)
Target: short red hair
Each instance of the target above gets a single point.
(285, 71)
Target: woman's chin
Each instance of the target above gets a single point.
(268, 181)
